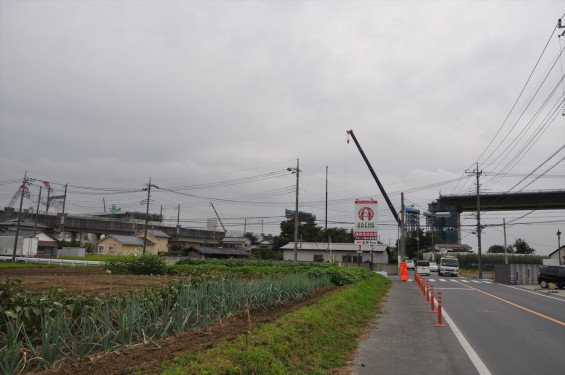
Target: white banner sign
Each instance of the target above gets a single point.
(365, 231)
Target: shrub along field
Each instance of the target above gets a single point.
(44, 330)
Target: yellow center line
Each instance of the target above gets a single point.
(516, 305)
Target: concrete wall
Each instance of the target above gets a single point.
(516, 274)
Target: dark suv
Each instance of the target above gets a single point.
(551, 274)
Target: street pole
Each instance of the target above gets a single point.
(505, 250)
(359, 252)
(62, 228)
(24, 182)
(37, 213)
(326, 226)
(561, 260)
(478, 174)
(402, 231)
(149, 186)
(297, 170)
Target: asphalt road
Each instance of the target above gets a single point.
(513, 330)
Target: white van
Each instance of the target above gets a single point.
(448, 266)
(423, 267)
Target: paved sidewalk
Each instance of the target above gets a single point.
(403, 339)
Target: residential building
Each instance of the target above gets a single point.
(346, 253)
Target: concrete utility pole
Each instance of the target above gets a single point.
(478, 173)
(297, 171)
(24, 183)
(148, 188)
(36, 213)
(402, 249)
(505, 249)
(62, 229)
(326, 226)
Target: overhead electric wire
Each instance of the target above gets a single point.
(516, 101)
(538, 167)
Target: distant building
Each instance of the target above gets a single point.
(347, 253)
(558, 256)
(412, 219)
(42, 245)
(115, 244)
(159, 240)
(242, 243)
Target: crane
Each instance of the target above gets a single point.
(218, 216)
(383, 192)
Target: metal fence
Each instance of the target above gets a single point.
(60, 262)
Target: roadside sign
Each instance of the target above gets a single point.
(365, 231)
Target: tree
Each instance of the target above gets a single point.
(522, 247)
(337, 235)
(251, 237)
(499, 249)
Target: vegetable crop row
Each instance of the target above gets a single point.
(40, 334)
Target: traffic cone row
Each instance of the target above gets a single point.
(428, 293)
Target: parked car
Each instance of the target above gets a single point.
(410, 264)
(423, 267)
(433, 266)
(551, 274)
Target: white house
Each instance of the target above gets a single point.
(348, 253)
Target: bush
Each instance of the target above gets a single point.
(142, 265)
(343, 275)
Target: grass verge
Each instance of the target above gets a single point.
(311, 340)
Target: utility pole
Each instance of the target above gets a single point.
(62, 229)
(505, 250)
(148, 188)
(37, 212)
(297, 171)
(402, 232)
(326, 227)
(24, 183)
(478, 173)
(561, 260)
(178, 221)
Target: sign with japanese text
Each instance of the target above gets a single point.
(365, 230)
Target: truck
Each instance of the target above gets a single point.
(448, 266)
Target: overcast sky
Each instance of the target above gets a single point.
(214, 100)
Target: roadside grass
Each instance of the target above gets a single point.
(312, 340)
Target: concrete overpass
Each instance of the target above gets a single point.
(537, 200)
(456, 204)
(78, 226)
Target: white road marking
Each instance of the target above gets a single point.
(533, 292)
(473, 356)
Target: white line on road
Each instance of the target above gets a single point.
(533, 292)
(473, 356)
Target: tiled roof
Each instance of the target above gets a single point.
(128, 240)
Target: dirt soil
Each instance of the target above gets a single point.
(84, 280)
(144, 358)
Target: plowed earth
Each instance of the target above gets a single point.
(143, 358)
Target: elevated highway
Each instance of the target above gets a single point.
(81, 225)
(537, 200)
